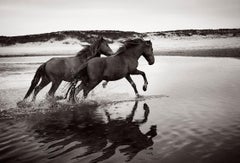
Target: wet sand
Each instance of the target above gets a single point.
(190, 113)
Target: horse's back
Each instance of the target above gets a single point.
(55, 64)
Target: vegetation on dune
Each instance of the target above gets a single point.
(84, 36)
(88, 36)
(202, 32)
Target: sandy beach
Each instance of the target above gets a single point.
(190, 113)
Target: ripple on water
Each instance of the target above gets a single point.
(96, 131)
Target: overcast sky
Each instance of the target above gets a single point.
(18, 17)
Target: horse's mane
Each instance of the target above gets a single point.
(128, 44)
(89, 51)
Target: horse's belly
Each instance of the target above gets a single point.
(111, 76)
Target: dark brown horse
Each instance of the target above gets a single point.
(123, 64)
(61, 69)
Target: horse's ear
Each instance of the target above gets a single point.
(100, 38)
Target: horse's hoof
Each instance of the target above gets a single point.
(59, 97)
(24, 104)
(48, 97)
(73, 102)
(104, 85)
(20, 104)
(144, 87)
(51, 99)
(145, 106)
(138, 96)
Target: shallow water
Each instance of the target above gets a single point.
(192, 102)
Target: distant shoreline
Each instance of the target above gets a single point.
(33, 55)
(225, 52)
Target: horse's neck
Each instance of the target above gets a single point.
(134, 53)
(93, 51)
(130, 58)
(82, 57)
(86, 55)
(97, 55)
(93, 56)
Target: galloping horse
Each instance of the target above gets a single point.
(56, 70)
(123, 64)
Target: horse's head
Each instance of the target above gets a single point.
(148, 52)
(104, 48)
(140, 46)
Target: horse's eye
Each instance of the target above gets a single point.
(148, 43)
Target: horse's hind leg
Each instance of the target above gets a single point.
(45, 81)
(71, 88)
(78, 89)
(74, 92)
(54, 87)
(89, 87)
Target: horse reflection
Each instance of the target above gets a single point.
(127, 132)
(81, 127)
(89, 132)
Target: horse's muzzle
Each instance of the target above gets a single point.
(151, 61)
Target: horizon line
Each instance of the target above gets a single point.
(171, 30)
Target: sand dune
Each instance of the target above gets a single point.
(165, 43)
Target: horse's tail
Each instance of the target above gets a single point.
(39, 73)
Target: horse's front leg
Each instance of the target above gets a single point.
(138, 72)
(77, 90)
(129, 79)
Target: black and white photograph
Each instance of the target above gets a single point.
(114, 81)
